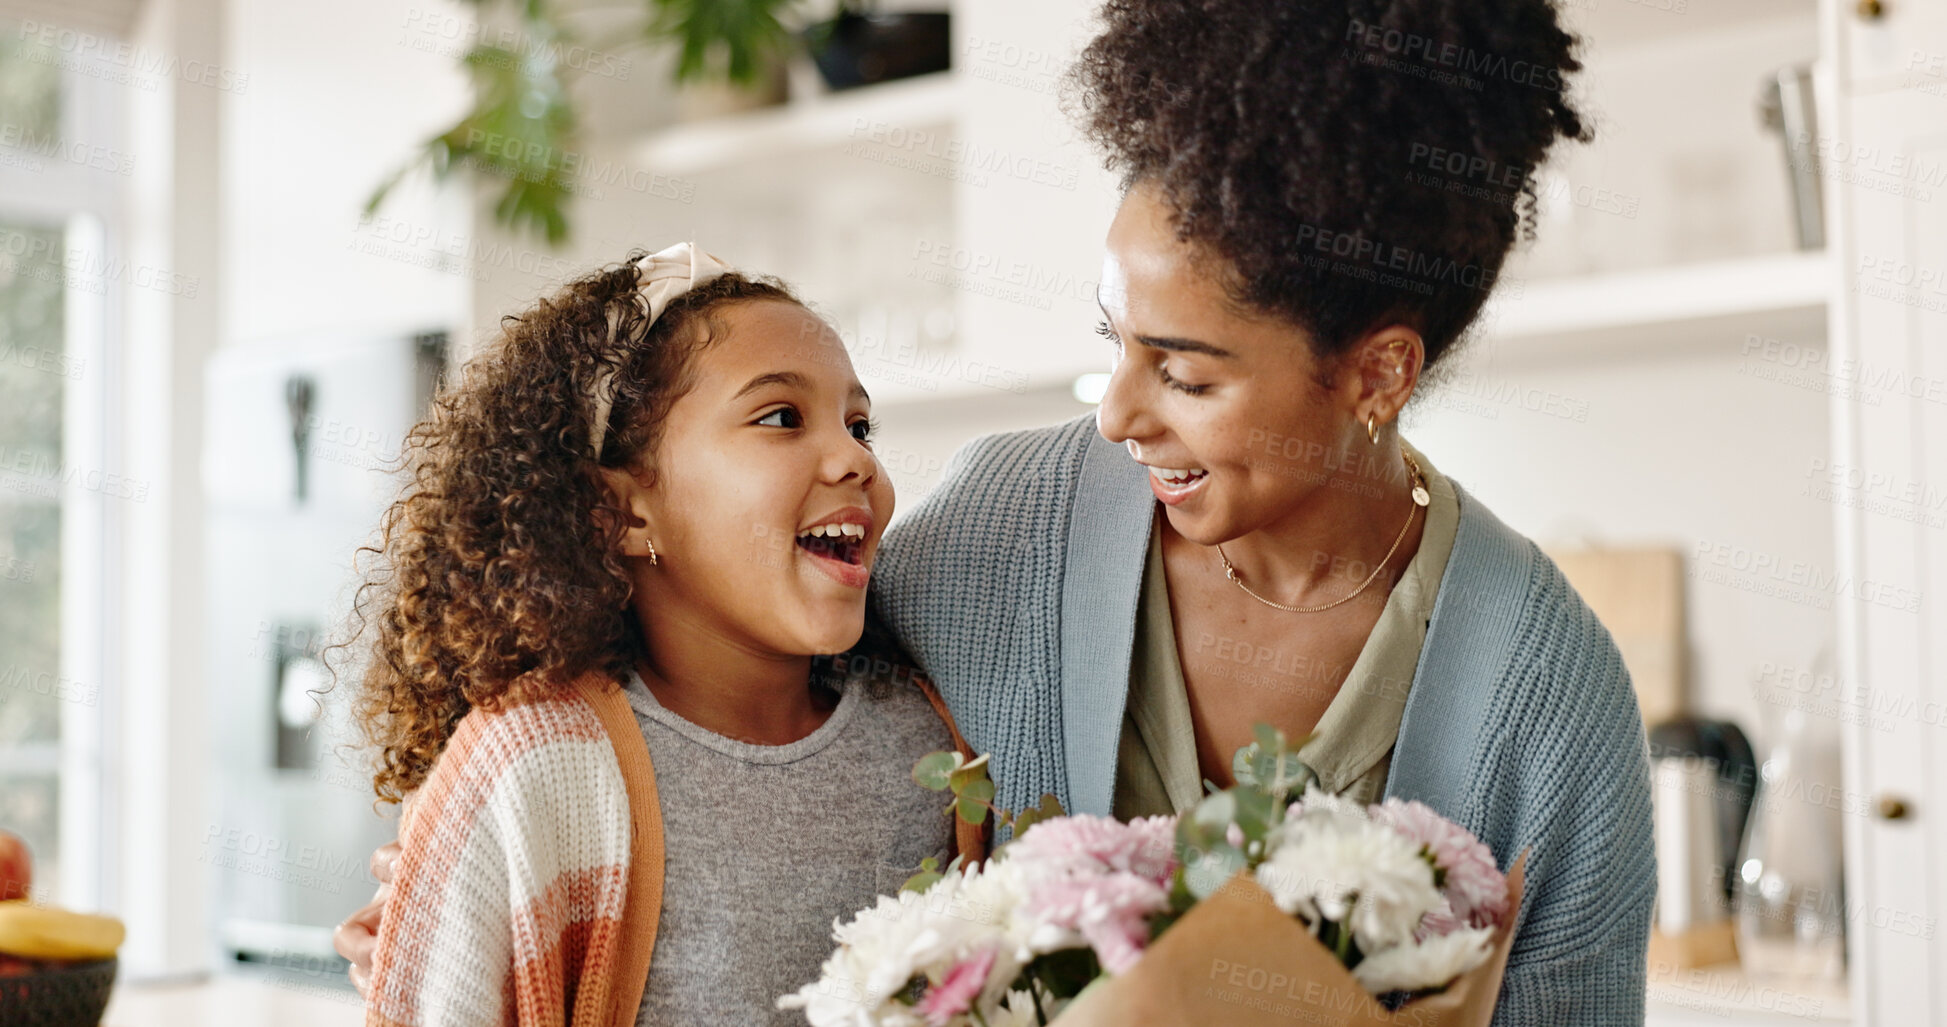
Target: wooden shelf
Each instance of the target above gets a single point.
(822, 122)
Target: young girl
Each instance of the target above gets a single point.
(639, 792)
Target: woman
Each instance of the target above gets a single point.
(639, 791)
(1109, 604)
(1239, 533)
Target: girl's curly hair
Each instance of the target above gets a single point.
(1357, 162)
(499, 575)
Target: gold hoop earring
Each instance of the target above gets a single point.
(652, 551)
(1372, 429)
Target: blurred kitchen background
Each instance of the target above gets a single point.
(1714, 387)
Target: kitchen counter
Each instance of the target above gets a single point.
(1725, 994)
(245, 1000)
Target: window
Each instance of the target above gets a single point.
(52, 433)
(30, 540)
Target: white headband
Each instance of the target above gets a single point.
(660, 278)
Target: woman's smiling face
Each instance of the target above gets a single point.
(769, 443)
(1234, 415)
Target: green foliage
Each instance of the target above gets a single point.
(730, 38)
(1229, 831)
(1050, 808)
(521, 128)
(973, 790)
(975, 798)
(1063, 973)
(934, 770)
(1265, 764)
(520, 132)
(929, 874)
(1231, 828)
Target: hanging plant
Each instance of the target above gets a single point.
(521, 129)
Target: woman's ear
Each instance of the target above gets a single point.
(1388, 364)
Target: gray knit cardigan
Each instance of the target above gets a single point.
(1014, 586)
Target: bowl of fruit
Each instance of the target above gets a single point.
(56, 967)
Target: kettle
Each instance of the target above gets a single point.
(1703, 777)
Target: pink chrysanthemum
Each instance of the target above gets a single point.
(956, 992)
(1111, 912)
(1084, 844)
(1474, 887)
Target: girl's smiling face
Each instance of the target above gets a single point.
(766, 502)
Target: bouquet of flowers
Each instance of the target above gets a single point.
(1251, 907)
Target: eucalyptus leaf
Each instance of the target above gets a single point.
(975, 799)
(933, 770)
(921, 881)
(1211, 868)
(1218, 810)
(929, 875)
(1257, 812)
(1049, 809)
(975, 770)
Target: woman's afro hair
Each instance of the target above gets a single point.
(1356, 163)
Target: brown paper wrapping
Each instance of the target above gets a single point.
(1236, 960)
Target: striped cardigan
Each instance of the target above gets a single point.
(530, 883)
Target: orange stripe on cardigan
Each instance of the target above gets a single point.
(571, 939)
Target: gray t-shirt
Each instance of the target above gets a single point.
(767, 844)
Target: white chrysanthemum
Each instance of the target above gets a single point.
(1016, 1010)
(1319, 804)
(885, 946)
(1418, 966)
(1331, 862)
(999, 891)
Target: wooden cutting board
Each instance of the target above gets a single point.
(1637, 593)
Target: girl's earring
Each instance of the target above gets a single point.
(1372, 429)
(652, 551)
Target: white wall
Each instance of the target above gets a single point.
(1691, 451)
(338, 95)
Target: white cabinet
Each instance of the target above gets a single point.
(1889, 327)
(1893, 44)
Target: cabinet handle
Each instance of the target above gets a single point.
(1891, 808)
(1871, 10)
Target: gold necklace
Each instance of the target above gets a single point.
(1420, 498)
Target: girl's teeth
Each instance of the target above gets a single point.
(837, 531)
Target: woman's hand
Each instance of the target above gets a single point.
(359, 934)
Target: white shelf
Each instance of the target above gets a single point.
(1657, 313)
(1661, 309)
(822, 122)
(1618, 26)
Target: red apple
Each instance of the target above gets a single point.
(16, 867)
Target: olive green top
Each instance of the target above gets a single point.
(1156, 765)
